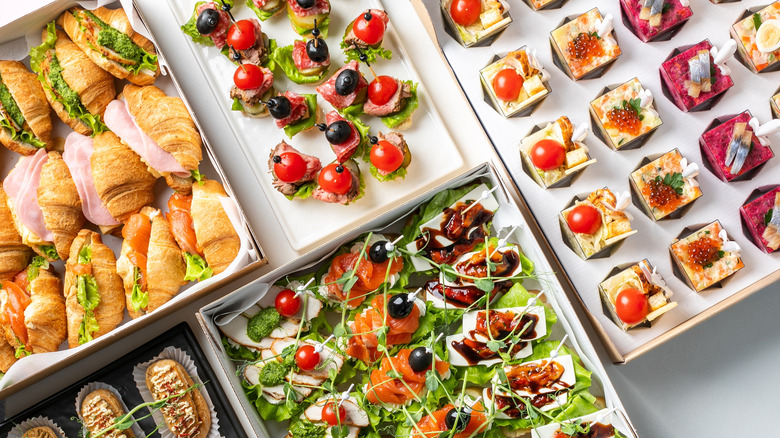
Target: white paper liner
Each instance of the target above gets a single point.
(34, 422)
(93, 386)
(173, 353)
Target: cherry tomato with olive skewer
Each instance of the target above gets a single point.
(386, 157)
(248, 77)
(289, 167)
(335, 178)
(369, 28)
(333, 414)
(547, 154)
(241, 35)
(584, 219)
(382, 89)
(287, 303)
(631, 306)
(465, 12)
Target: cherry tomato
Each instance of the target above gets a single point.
(386, 157)
(547, 154)
(371, 31)
(287, 304)
(584, 219)
(241, 35)
(631, 306)
(507, 84)
(248, 77)
(307, 358)
(381, 89)
(289, 167)
(465, 12)
(333, 414)
(335, 178)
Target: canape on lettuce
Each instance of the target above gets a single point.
(364, 35)
(305, 15)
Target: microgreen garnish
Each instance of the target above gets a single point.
(674, 180)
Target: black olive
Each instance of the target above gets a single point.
(420, 359)
(306, 4)
(457, 419)
(277, 159)
(279, 107)
(378, 252)
(400, 306)
(339, 168)
(207, 21)
(347, 82)
(317, 52)
(338, 132)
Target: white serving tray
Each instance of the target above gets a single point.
(679, 130)
(310, 223)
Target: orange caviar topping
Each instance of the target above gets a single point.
(624, 120)
(585, 46)
(661, 196)
(703, 251)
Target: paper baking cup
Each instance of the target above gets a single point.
(173, 353)
(93, 386)
(32, 423)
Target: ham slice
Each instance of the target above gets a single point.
(328, 89)
(119, 120)
(219, 36)
(77, 155)
(344, 150)
(301, 58)
(320, 7)
(21, 186)
(404, 91)
(298, 110)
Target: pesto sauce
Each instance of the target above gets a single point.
(9, 104)
(117, 41)
(61, 88)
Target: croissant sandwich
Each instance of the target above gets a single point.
(77, 89)
(32, 310)
(109, 40)
(99, 409)
(25, 115)
(44, 203)
(94, 300)
(203, 230)
(150, 264)
(14, 254)
(187, 415)
(159, 129)
(111, 180)
(7, 353)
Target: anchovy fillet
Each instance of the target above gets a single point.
(704, 61)
(736, 139)
(657, 7)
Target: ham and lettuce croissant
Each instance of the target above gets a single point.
(25, 115)
(159, 129)
(150, 264)
(14, 254)
(44, 204)
(111, 180)
(32, 310)
(109, 40)
(77, 89)
(203, 230)
(94, 299)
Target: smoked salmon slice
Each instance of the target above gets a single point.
(182, 227)
(384, 389)
(370, 276)
(363, 343)
(433, 425)
(136, 233)
(13, 311)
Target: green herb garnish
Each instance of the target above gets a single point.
(674, 180)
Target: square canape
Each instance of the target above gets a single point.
(706, 256)
(523, 67)
(655, 20)
(585, 46)
(635, 282)
(493, 19)
(761, 218)
(554, 154)
(665, 186)
(538, 5)
(759, 49)
(691, 78)
(731, 149)
(775, 104)
(593, 227)
(624, 117)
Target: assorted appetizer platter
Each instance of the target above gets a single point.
(447, 322)
(112, 204)
(166, 387)
(702, 153)
(325, 104)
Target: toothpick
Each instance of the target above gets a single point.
(389, 246)
(413, 296)
(502, 241)
(429, 349)
(226, 8)
(534, 299)
(484, 196)
(321, 346)
(364, 58)
(302, 289)
(554, 353)
(345, 395)
(604, 415)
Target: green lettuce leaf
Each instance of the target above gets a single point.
(85, 254)
(270, 63)
(86, 292)
(304, 190)
(364, 148)
(281, 412)
(33, 270)
(20, 351)
(236, 104)
(408, 108)
(579, 407)
(322, 26)
(239, 353)
(138, 298)
(21, 135)
(190, 27)
(398, 173)
(353, 111)
(518, 296)
(308, 122)
(88, 326)
(263, 15)
(371, 52)
(434, 207)
(196, 268)
(283, 58)
(16, 119)
(50, 251)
